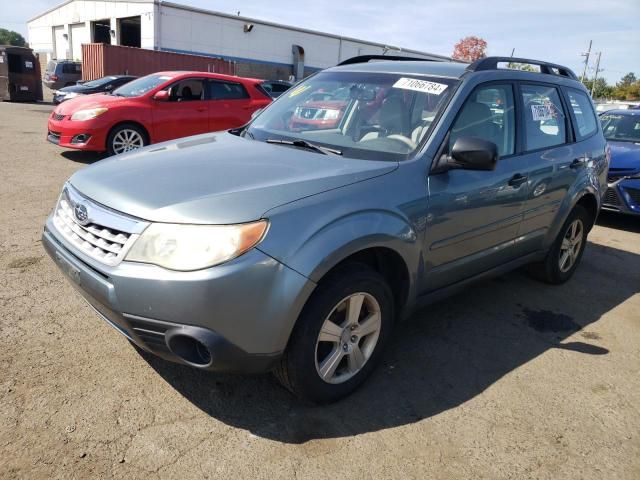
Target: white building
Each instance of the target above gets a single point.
(153, 24)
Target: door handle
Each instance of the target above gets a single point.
(517, 180)
(577, 163)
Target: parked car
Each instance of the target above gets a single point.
(99, 85)
(159, 107)
(622, 130)
(275, 88)
(266, 248)
(62, 73)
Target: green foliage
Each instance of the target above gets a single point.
(628, 88)
(521, 66)
(9, 37)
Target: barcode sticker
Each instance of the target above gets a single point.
(420, 86)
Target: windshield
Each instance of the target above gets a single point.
(141, 85)
(376, 116)
(621, 127)
(98, 82)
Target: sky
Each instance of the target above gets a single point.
(557, 31)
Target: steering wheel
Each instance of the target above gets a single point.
(402, 139)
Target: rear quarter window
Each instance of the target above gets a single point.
(586, 123)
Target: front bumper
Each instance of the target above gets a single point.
(62, 132)
(623, 196)
(246, 308)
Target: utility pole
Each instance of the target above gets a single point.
(595, 76)
(586, 54)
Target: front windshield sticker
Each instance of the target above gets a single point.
(420, 86)
(298, 90)
(542, 112)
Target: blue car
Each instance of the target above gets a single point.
(622, 131)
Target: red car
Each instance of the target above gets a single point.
(155, 108)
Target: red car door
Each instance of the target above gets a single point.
(230, 105)
(185, 113)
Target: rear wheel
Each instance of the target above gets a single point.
(566, 252)
(339, 336)
(126, 137)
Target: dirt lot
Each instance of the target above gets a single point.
(513, 379)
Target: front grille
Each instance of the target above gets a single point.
(634, 193)
(611, 197)
(307, 112)
(57, 116)
(101, 234)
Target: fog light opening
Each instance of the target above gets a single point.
(81, 138)
(190, 350)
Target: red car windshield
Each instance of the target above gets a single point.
(141, 86)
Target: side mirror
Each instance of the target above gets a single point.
(472, 153)
(161, 96)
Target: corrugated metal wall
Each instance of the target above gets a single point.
(99, 59)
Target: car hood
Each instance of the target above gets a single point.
(625, 155)
(216, 178)
(88, 101)
(76, 89)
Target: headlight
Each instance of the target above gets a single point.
(331, 114)
(88, 114)
(194, 247)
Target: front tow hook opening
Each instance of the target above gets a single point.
(189, 349)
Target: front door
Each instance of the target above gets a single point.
(474, 216)
(185, 113)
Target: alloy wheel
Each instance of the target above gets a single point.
(571, 244)
(348, 338)
(126, 140)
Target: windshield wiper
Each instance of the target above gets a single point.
(304, 144)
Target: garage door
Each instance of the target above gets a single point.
(60, 43)
(79, 35)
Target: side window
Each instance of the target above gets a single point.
(186, 90)
(544, 117)
(226, 91)
(489, 114)
(586, 122)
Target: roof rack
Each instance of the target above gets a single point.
(491, 63)
(368, 58)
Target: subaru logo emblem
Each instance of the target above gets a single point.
(81, 214)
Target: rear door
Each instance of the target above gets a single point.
(553, 155)
(474, 216)
(185, 113)
(230, 105)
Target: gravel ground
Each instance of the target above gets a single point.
(512, 379)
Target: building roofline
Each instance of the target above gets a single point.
(60, 5)
(297, 29)
(187, 8)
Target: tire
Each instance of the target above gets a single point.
(125, 138)
(553, 269)
(306, 356)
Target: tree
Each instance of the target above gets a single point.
(9, 37)
(628, 88)
(470, 49)
(522, 66)
(601, 89)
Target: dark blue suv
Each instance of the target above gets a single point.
(294, 246)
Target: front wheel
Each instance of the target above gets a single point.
(339, 336)
(125, 138)
(566, 252)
